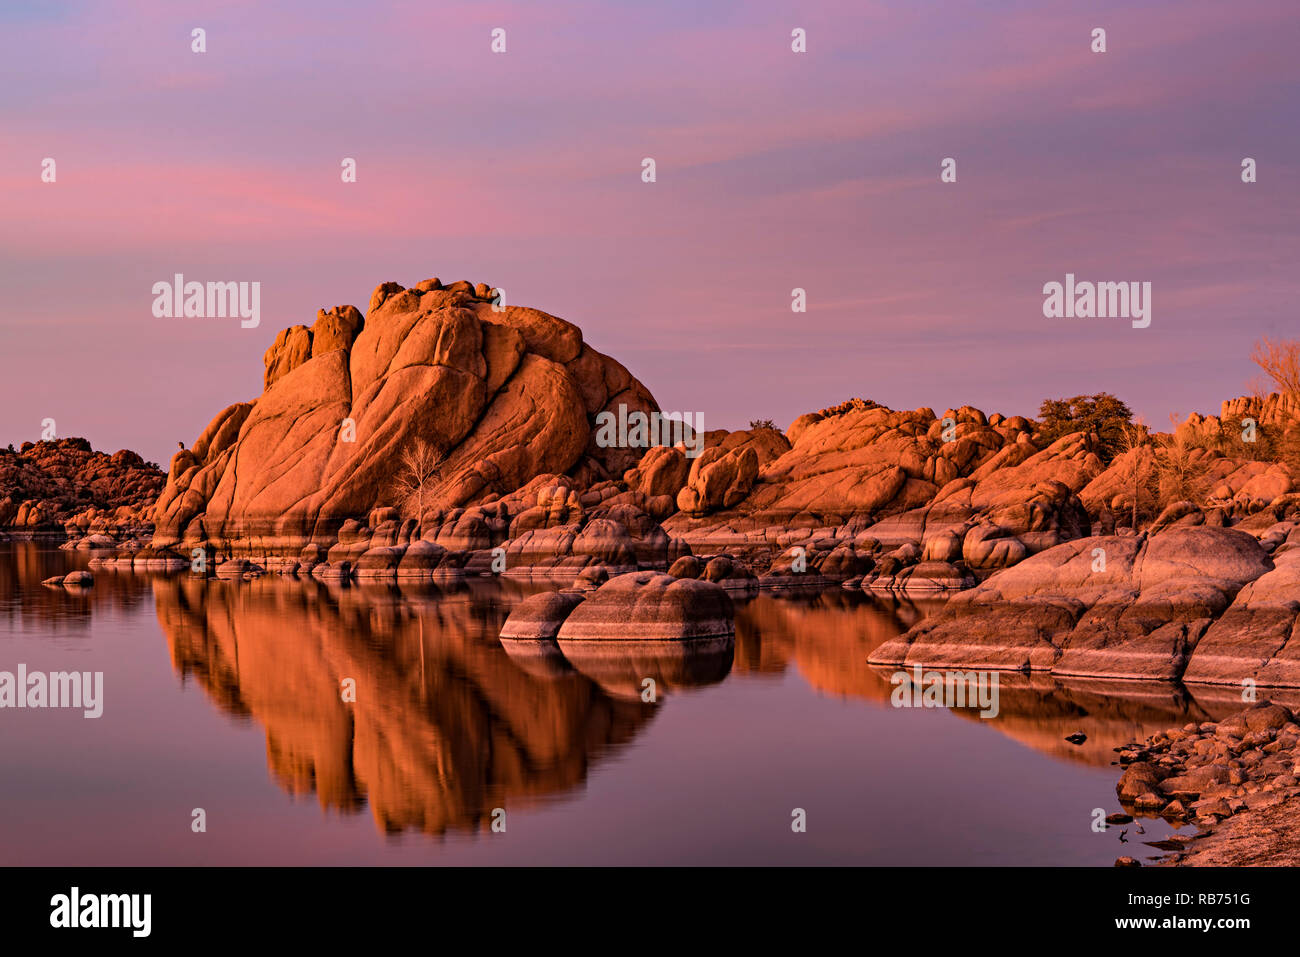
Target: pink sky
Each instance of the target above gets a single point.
(775, 170)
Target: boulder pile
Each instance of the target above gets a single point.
(1210, 772)
(64, 485)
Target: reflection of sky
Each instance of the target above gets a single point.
(774, 171)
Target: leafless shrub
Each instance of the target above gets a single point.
(419, 471)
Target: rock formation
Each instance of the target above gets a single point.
(500, 396)
(1198, 603)
(64, 485)
(444, 434)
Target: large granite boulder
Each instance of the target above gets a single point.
(499, 396)
(1257, 638)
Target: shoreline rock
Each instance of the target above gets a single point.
(631, 634)
(1130, 607)
(1242, 769)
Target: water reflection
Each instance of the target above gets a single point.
(450, 722)
(829, 638)
(444, 728)
(25, 564)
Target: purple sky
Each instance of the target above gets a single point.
(775, 170)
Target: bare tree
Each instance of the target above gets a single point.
(1133, 438)
(1179, 473)
(418, 472)
(1280, 360)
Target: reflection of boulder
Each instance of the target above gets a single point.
(25, 564)
(1040, 711)
(830, 637)
(827, 636)
(622, 667)
(528, 636)
(445, 726)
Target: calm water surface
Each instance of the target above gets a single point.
(226, 697)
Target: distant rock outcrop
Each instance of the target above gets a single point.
(63, 483)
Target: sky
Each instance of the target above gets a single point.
(774, 170)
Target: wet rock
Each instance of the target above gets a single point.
(925, 578)
(539, 617)
(1193, 782)
(340, 571)
(1138, 779)
(379, 563)
(234, 569)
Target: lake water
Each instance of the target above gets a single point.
(226, 697)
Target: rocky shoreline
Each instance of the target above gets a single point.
(1235, 779)
(1197, 604)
